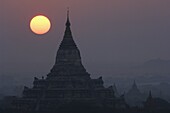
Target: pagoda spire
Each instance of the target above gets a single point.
(149, 101)
(68, 42)
(134, 86)
(68, 20)
(68, 58)
(150, 95)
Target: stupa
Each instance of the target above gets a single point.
(68, 82)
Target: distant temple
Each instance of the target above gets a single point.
(156, 104)
(134, 97)
(68, 82)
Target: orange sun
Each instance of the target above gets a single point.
(40, 24)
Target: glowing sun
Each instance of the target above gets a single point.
(40, 24)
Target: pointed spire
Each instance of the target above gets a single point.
(149, 98)
(134, 90)
(68, 42)
(68, 20)
(150, 95)
(134, 85)
(68, 58)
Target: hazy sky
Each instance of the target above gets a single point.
(106, 31)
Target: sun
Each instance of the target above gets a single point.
(40, 24)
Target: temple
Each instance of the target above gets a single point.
(68, 82)
(134, 97)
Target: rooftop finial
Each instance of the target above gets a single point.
(68, 21)
(68, 11)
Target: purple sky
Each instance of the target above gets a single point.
(106, 31)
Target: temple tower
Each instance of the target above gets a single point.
(66, 83)
(68, 59)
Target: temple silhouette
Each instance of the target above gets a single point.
(68, 88)
(67, 84)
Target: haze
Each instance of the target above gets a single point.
(107, 32)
